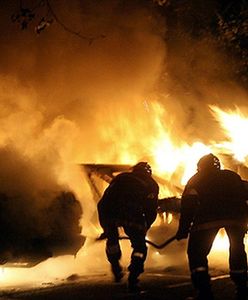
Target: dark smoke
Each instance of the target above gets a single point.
(39, 218)
(53, 87)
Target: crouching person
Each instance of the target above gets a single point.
(130, 202)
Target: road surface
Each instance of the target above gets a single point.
(163, 284)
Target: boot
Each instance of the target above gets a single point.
(133, 286)
(201, 282)
(117, 271)
(205, 295)
(242, 293)
(201, 296)
(135, 268)
(240, 280)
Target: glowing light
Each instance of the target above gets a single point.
(221, 241)
(169, 218)
(1, 273)
(125, 141)
(191, 155)
(235, 125)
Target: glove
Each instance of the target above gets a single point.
(103, 236)
(180, 235)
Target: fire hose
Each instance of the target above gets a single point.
(160, 246)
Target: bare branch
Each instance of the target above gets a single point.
(66, 28)
(26, 15)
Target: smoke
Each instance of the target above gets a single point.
(65, 101)
(62, 92)
(199, 72)
(73, 79)
(57, 94)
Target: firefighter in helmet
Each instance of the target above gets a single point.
(130, 202)
(212, 199)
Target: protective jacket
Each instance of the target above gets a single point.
(213, 199)
(130, 198)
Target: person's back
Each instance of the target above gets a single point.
(221, 196)
(127, 200)
(130, 201)
(214, 199)
(123, 195)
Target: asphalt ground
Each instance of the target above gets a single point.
(172, 283)
(88, 276)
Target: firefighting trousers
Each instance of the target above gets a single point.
(199, 246)
(137, 239)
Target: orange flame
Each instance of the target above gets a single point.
(235, 125)
(173, 161)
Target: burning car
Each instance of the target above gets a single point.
(29, 237)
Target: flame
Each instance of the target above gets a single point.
(173, 160)
(235, 125)
(221, 241)
(91, 108)
(153, 140)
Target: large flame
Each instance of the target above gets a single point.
(170, 160)
(175, 161)
(235, 125)
(64, 103)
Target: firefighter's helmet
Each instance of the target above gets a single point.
(208, 162)
(142, 167)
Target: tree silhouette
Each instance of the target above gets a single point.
(225, 20)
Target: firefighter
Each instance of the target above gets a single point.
(130, 202)
(214, 198)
